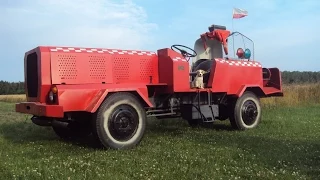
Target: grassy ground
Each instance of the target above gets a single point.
(286, 145)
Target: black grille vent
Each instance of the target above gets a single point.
(32, 75)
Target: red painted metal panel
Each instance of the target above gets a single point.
(180, 75)
(44, 75)
(73, 68)
(165, 70)
(76, 99)
(231, 75)
(97, 100)
(173, 70)
(131, 68)
(88, 98)
(72, 65)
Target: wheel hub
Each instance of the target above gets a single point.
(249, 112)
(123, 123)
(123, 120)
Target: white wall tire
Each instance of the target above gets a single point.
(246, 112)
(120, 121)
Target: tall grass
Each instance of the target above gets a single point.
(294, 95)
(13, 98)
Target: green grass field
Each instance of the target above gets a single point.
(286, 145)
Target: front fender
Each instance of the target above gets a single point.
(101, 96)
(256, 89)
(89, 99)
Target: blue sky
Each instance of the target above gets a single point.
(285, 32)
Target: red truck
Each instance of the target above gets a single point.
(109, 93)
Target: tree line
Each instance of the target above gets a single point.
(300, 77)
(288, 77)
(11, 87)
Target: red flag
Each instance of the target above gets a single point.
(239, 13)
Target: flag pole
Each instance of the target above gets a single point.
(234, 53)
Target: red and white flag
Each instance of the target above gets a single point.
(239, 13)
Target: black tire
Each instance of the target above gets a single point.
(74, 130)
(125, 108)
(246, 112)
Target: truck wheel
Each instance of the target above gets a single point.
(120, 121)
(246, 112)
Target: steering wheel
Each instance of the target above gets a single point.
(183, 52)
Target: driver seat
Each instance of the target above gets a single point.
(203, 60)
(214, 50)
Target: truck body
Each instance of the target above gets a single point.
(110, 92)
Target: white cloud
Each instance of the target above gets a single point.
(94, 23)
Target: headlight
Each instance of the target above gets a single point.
(51, 96)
